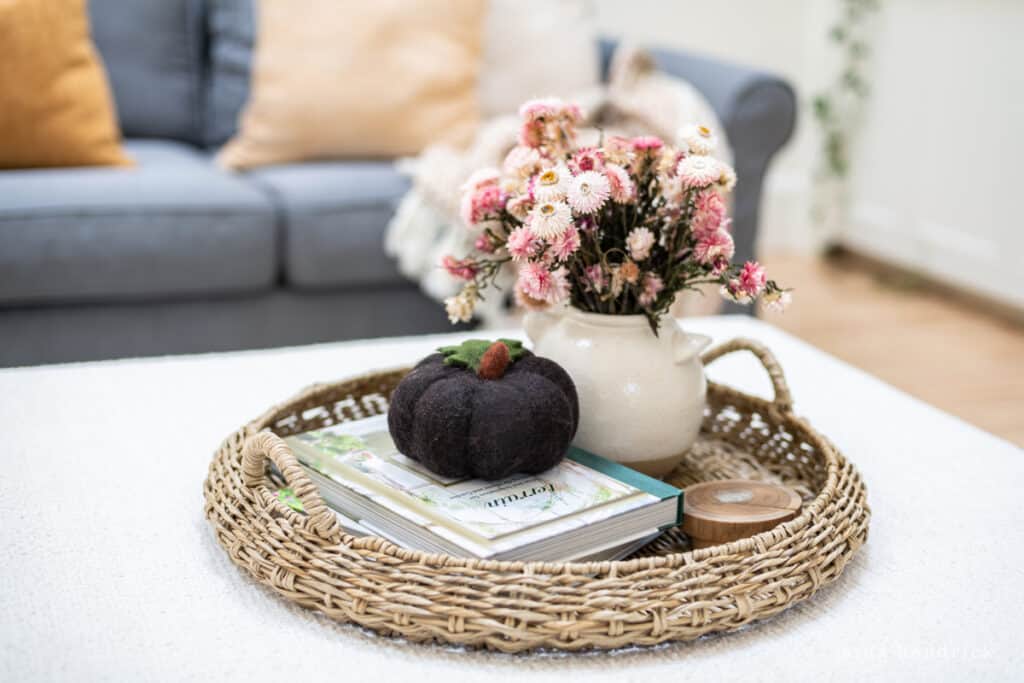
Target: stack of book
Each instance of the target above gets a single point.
(585, 508)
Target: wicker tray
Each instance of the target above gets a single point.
(658, 595)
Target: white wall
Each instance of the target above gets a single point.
(779, 35)
(938, 163)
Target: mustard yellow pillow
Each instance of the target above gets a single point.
(341, 78)
(55, 103)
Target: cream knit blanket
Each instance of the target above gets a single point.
(636, 100)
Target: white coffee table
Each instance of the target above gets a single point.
(109, 571)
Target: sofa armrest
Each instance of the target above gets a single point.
(758, 111)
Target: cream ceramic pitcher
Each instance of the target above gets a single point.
(641, 396)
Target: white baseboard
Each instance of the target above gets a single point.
(950, 254)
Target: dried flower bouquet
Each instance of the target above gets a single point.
(619, 228)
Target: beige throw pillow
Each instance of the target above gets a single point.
(537, 48)
(341, 78)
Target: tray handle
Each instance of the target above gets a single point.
(783, 400)
(263, 445)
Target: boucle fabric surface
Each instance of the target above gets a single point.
(110, 572)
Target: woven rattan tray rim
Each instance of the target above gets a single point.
(839, 504)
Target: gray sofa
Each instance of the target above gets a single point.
(175, 255)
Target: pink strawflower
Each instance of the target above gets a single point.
(698, 171)
(521, 161)
(531, 133)
(520, 206)
(463, 269)
(545, 121)
(714, 248)
(539, 108)
(733, 290)
(481, 178)
(753, 279)
(534, 281)
(587, 159)
(586, 223)
(653, 285)
(566, 244)
(483, 243)
(480, 202)
(618, 150)
(521, 244)
(709, 213)
(639, 242)
(548, 108)
(560, 286)
(541, 284)
(529, 303)
(646, 143)
(588, 192)
(596, 277)
(623, 191)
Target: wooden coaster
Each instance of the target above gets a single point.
(716, 512)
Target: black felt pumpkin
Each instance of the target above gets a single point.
(484, 410)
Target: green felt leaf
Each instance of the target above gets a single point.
(468, 353)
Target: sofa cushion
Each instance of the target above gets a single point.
(231, 26)
(153, 51)
(172, 225)
(334, 215)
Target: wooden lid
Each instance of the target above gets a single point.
(721, 511)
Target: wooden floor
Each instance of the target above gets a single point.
(934, 345)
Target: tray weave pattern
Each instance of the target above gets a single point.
(664, 592)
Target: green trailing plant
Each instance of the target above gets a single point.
(836, 107)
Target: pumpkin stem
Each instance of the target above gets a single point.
(495, 361)
(469, 354)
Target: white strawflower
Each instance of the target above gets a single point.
(639, 242)
(551, 185)
(588, 192)
(728, 178)
(550, 220)
(698, 139)
(622, 187)
(777, 301)
(668, 157)
(460, 307)
(698, 171)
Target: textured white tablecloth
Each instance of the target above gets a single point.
(109, 571)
